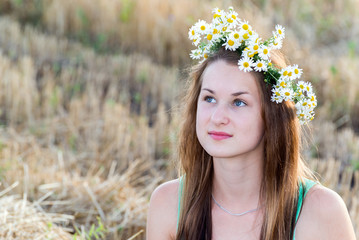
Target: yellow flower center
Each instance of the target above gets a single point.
(216, 15)
(245, 36)
(209, 37)
(304, 104)
(193, 32)
(203, 27)
(285, 73)
(265, 51)
(205, 55)
(230, 20)
(236, 35)
(230, 42)
(301, 86)
(215, 31)
(234, 16)
(282, 84)
(280, 32)
(287, 93)
(224, 29)
(255, 47)
(245, 26)
(246, 64)
(277, 93)
(312, 99)
(260, 65)
(270, 64)
(290, 74)
(296, 71)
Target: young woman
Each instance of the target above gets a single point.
(239, 148)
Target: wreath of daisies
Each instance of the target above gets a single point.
(227, 30)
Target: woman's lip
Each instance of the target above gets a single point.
(219, 135)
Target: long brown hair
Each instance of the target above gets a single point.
(282, 164)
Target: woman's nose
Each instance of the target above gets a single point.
(220, 115)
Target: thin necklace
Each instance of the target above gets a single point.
(233, 214)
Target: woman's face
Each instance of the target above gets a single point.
(229, 122)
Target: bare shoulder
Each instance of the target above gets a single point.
(162, 213)
(324, 216)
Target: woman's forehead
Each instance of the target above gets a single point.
(222, 76)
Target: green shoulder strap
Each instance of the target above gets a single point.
(179, 199)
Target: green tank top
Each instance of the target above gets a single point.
(303, 190)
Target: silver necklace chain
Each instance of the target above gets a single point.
(233, 214)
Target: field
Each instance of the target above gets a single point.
(90, 93)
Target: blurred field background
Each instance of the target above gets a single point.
(89, 99)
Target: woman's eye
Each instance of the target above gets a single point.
(239, 103)
(209, 99)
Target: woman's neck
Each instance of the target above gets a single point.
(237, 182)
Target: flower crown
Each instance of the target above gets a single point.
(227, 30)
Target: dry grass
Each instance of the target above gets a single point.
(21, 219)
(97, 153)
(89, 135)
(346, 184)
(61, 192)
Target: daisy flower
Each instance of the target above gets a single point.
(264, 52)
(217, 11)
(231, 19)
(236, 35)
(201, 27)
(196, 41)
(313, 99)
(302, 113)
(279, 31)
(245, 26)
(245, 64)
(245, 36)
(286, 72)
(301, 85)
(253, 35)
(192, 33)
(308, 87)
(276, 99)
(287, 94)
(260, 66)
(196, 54)
(231, 44)
(277, 95)
(297, 72)
(234, 15)
(254, 48)
(277, 43)
(282, 83)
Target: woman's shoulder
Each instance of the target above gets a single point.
(167, 189)
(162, 212)
(324, 216)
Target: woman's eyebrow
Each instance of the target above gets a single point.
(233, 94)
(239, 93)
(209, 90)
